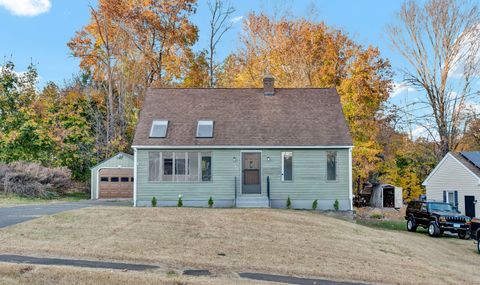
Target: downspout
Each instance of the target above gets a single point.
(350, 181)
(135, 180)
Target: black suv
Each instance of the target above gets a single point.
(475, 232)
(437, 218)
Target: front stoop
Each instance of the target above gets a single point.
(252, 202)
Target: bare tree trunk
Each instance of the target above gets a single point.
(220, 23)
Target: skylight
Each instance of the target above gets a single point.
(205, 129)
(159, 129)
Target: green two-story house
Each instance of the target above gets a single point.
(244, 147)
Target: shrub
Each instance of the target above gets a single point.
(23, 185)
(378, 216)
(34, 180)
(336, 205)
(289, 203)
(154, 202)
(315, 204)
(180, 202)
(210, 202)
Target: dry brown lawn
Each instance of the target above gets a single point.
(300, 243)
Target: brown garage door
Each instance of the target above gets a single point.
(116, 183)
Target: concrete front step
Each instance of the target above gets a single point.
(252, 202)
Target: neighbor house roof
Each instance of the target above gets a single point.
(467, 164)
(245, 117)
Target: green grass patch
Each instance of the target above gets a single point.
(392, 225)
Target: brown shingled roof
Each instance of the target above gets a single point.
(245, 117)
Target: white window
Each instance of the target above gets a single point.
(159, 129)
(179, 166)
(205, 129)
(287, 166)
(450, 198)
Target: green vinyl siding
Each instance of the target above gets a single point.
(309, 176)
(224, 171)
(309, 179)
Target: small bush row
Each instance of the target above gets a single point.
(180, 202)
(336, 204)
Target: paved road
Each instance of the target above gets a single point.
(19, 214)
(74, 262)
(293, 280)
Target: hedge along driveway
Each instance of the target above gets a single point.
(19, 214)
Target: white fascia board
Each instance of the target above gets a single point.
(239, 147)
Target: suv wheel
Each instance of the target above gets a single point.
(433, 229)
(411, 225)
(462, 234)
(478, 245)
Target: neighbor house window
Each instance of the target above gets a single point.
(450, 197)
(159, 129)
(205, 129)
(332, 165)
(287, 166)
(179, 166)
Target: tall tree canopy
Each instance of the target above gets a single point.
(439, 40)
(301, 53)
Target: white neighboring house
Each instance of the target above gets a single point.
(456, 180)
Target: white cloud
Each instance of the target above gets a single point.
(401, 87)
(26, 7)
(233, 20)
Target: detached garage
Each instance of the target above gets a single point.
(113, 178)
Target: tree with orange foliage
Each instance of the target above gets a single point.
(300, 53)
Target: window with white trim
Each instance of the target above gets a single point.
(287, 166)
(450, 198)
(331, 165)
(205, 129)
(179, 166)
(159, 129)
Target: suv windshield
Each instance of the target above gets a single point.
(441, 207)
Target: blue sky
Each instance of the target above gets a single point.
(39, 33)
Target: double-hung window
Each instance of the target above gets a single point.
(331, 165)
(287, 166)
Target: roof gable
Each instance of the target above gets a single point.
(118, 155)
(457, 157)
(245, 117)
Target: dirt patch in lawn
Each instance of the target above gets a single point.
(301, 243)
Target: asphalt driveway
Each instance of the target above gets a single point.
(19, 214)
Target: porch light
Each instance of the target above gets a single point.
(268, 158)
(234, 159)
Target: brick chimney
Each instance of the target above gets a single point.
(268, 85)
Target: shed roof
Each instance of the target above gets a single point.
(245, 117)
(128, 156)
